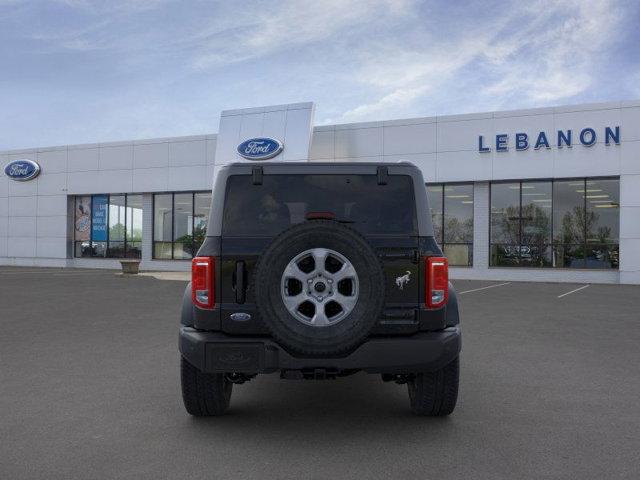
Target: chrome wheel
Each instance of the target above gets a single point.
(319, 287)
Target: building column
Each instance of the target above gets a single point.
(481, 213)
(629, 229)
(147, 227)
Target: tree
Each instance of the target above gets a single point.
(116, 232)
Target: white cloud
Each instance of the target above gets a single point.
(158, 68)
(556, 63)
(397, 98)
(544, 52)
(259, 32)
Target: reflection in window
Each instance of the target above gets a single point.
(603, 223)
(451, 208)
(108, 226)
(117, 219)
(535, 234)
(180, 223)
(201, 205)
(162, 225)
(358, 199)
(566, 224)
(436, 206)
(505, 224)
(134, 226)
(569, 223)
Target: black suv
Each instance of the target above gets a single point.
(320, 270)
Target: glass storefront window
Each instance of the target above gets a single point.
(603, 211)
(180, 223)
(603, 224)
(201, 205)
(108, 226)
(451, 208)
(564, 223)
(162, 225)
(505, 224)
(536, 200)
(436, 205)
(117, 220)
(569, 223)
(134, 226)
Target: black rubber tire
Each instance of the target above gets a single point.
(434, 394)
(289, 331)
(204, 394)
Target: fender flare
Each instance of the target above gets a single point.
(186, 314)
(452, 312)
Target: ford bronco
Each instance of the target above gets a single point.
(320, 270)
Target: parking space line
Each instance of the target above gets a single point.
(57, 273)
(484, 288)
(573, 291)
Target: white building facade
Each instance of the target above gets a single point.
(550, 194)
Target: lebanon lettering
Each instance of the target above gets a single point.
(562, 139)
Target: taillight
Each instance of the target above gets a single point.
(437, 281)
(203, 282)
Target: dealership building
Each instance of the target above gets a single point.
(547, 194)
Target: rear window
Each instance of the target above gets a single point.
(284, 200)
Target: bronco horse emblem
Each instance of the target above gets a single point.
(402, 280)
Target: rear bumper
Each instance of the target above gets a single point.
(217, 352)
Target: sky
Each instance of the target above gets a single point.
(77, 71)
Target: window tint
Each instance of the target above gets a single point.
(284, 200)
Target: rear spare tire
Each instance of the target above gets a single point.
(319, 288)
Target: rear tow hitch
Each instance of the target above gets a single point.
(400, 379)
(238, 378)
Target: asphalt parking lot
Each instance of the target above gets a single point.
(89, 388)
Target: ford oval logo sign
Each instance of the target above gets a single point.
(260, 148)
(22, 170)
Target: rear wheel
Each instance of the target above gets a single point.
(204, 394)
(434, 394)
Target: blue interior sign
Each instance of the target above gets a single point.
(99, 218)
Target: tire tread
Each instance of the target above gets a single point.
(204, 394)
(435, 394)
